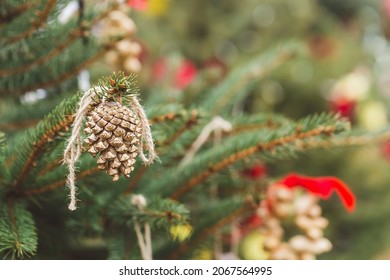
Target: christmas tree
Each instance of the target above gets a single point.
(198, 137)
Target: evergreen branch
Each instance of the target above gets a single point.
(38, 148)
(211, 230)
(64, 76)
(18, 237)
(18, 125)
(50, 166)
(73, 36)
(214, 166)
(344, 141)
(158, 212)
(187, 125)
(55, 185)
(35, 25)
(166, 117)
(34, 142)
(15, 11)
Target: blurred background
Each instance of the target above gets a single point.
(346, 70)
(179, 48)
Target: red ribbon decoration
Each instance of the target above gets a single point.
(322, 187)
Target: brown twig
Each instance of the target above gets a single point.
(55, 185)
(49, 167)
(187, 125)
(197, 179)
(35, 25)
(16, 11)
(42, 60)
(133, 184)
(166, 117)
(18, 125)
(66, 75)
(38, 147)
(74, 35)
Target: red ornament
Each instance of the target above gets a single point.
(185, 74)
(255, 172)
(345, 107)
(138, 4)
(322, 187)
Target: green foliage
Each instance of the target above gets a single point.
(18, 235)
(158, 212)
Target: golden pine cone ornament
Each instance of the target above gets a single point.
(114, 133)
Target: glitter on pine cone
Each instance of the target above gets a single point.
(115, 134)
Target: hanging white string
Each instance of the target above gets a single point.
(217, 124)
(73, 149)
(146, 133)
(144, 239)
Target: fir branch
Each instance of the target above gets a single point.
(187, 125)
(41, 18)
(15, 12)
(18, 237)
(73, 36)
(18, 125)
(59, 120)
(273, 144)
(56, 184)
(166, 117)
(345, 141)
(211, 230)
(63, 76)
(158, 212)
(39, 146)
